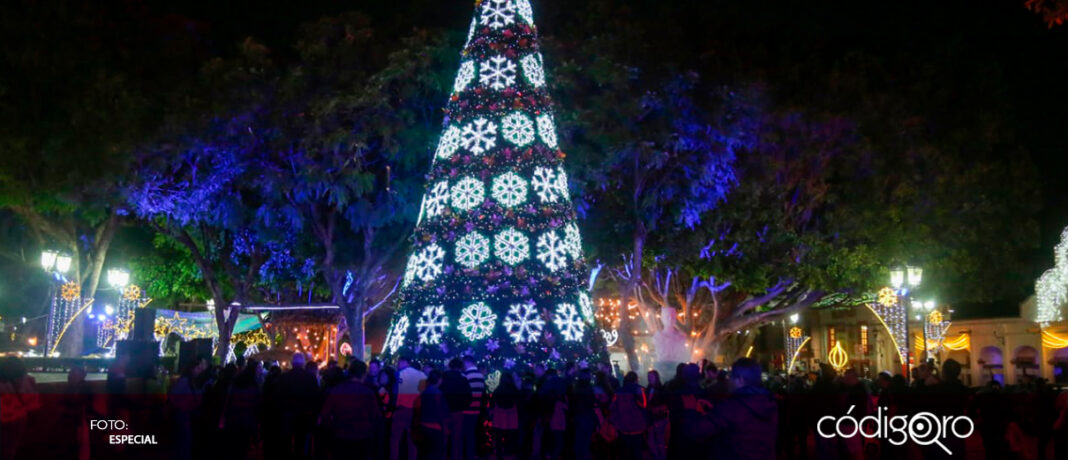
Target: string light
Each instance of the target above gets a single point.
(838, 357)
(894, 319)
(795, 340)
(961, 342)
(1051, 289)
(1054, 341)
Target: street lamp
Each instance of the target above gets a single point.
(915, 276)
(118, 278)
(897, 276)
(63, 263)
(48, 260)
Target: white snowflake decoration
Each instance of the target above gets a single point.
(498, 13)
(476, 321)
(497, 73)
(251, 350)
(467, 194)
(533, 69)
(547, 130)
(472, 250)
(437, 199)
(545, 184)
(509, 189)
(464, 76)
(523, 322)
(427, 262)
(522, 7)
(479, 136)
(517, 129)
(450, 142)
(432, 324)
(586, 306)
(568, 322)
(573, 240)
(511, 246)
(561, 183)
(551, 251)
(395, 338)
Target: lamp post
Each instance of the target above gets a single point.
(910, 277)
(56, 265)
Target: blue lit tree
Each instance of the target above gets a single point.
(205, 182)
(496, 268)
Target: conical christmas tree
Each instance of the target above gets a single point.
(496, 268)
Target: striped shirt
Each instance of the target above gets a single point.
(478, 387)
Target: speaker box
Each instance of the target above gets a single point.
(188, 351)
(144, 324)
(144, 357)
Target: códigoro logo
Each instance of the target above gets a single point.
(923, 428)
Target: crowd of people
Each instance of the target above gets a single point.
(311, 410)
(413, 411)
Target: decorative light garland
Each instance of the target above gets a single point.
(795, 340)
(1051, 289)
(894, 319)
(838, 356)
(961, 342)
(1054, 341)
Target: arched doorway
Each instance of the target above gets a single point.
(993, 364)
(1026, 363)
(1060, 365)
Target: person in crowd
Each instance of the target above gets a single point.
(374, 367)
(610, 378)
(270, 408)
(525, 409)
(504, 411)
(410, 383)
(584, 413)
(241, 412)
(433, 417)
(297, 393)
(948, 397)
(72, 429)
(552, 396)
(185, 398)
(352, 416)
(684, 408)
(386, 389)
(18, 398)
(745, 423)
(628, 415)
(457, 393)
(477, 381)
(657, 408)
(853, 394)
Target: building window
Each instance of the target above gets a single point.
(864, 338)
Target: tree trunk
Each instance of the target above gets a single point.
(100, 251)
(629, 289)
(225, 320)
(354, 321)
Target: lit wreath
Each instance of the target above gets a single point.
(70, 291)
(132, 293)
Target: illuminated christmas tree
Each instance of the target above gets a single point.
(496, 268)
